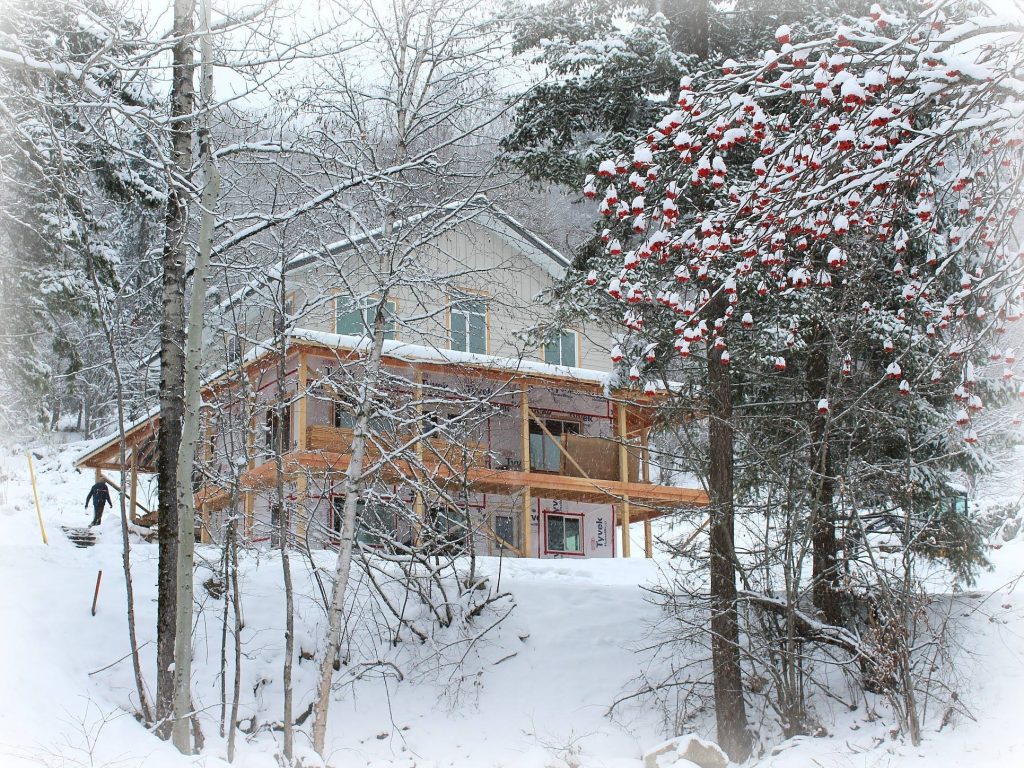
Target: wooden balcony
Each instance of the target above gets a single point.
(590, 475)
(398, 448)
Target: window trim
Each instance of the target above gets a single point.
(371, 300)
(232, 347)
(470, 293)
(571, 553)
(577, 335)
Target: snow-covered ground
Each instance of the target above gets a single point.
(534, 693)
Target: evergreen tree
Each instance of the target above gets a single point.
(72, 175)
(608, 64)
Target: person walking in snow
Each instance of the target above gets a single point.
(100, 496)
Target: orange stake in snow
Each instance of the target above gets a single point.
(96, 594)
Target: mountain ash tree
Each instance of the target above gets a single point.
(823, 232)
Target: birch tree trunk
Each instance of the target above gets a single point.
(172, 362)
(343, 565)
(281, 443)
(180, 732)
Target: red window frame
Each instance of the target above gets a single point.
(544, 519)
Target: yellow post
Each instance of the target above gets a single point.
(35, 495)
(524, 411)
(620, 412)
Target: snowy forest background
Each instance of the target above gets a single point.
(803, 218)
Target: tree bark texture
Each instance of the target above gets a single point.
(730, 709)
(825, 574)
(172, 355)
(281, 443)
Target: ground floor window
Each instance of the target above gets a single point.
(504, 529)
(375, 524)
(448, 529)
(564, 533)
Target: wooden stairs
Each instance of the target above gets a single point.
(80, 537)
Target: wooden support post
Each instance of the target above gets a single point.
(620, 413)
(648, 539)
(96, 593)
(419, 507)
(133, 496)
(645, 454)
(250, 441)
(524, 412)
(248, 514)
(204, 527)
(302, 422)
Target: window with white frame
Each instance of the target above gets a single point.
(468, 318)
(564, 533)
(356, 318)
(562, 349)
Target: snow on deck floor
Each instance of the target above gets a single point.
(572, 636)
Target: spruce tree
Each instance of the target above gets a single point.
(73, 175)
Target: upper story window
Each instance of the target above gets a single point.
(469, 324)
(562, 349)
(233, 348)
(356, 318)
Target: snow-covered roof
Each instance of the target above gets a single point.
(478, 209)
(395, 350)
(404, 351)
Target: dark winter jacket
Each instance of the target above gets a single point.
(100, 496)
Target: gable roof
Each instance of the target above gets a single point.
(478, 209)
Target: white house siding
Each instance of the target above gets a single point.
(482, 256)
